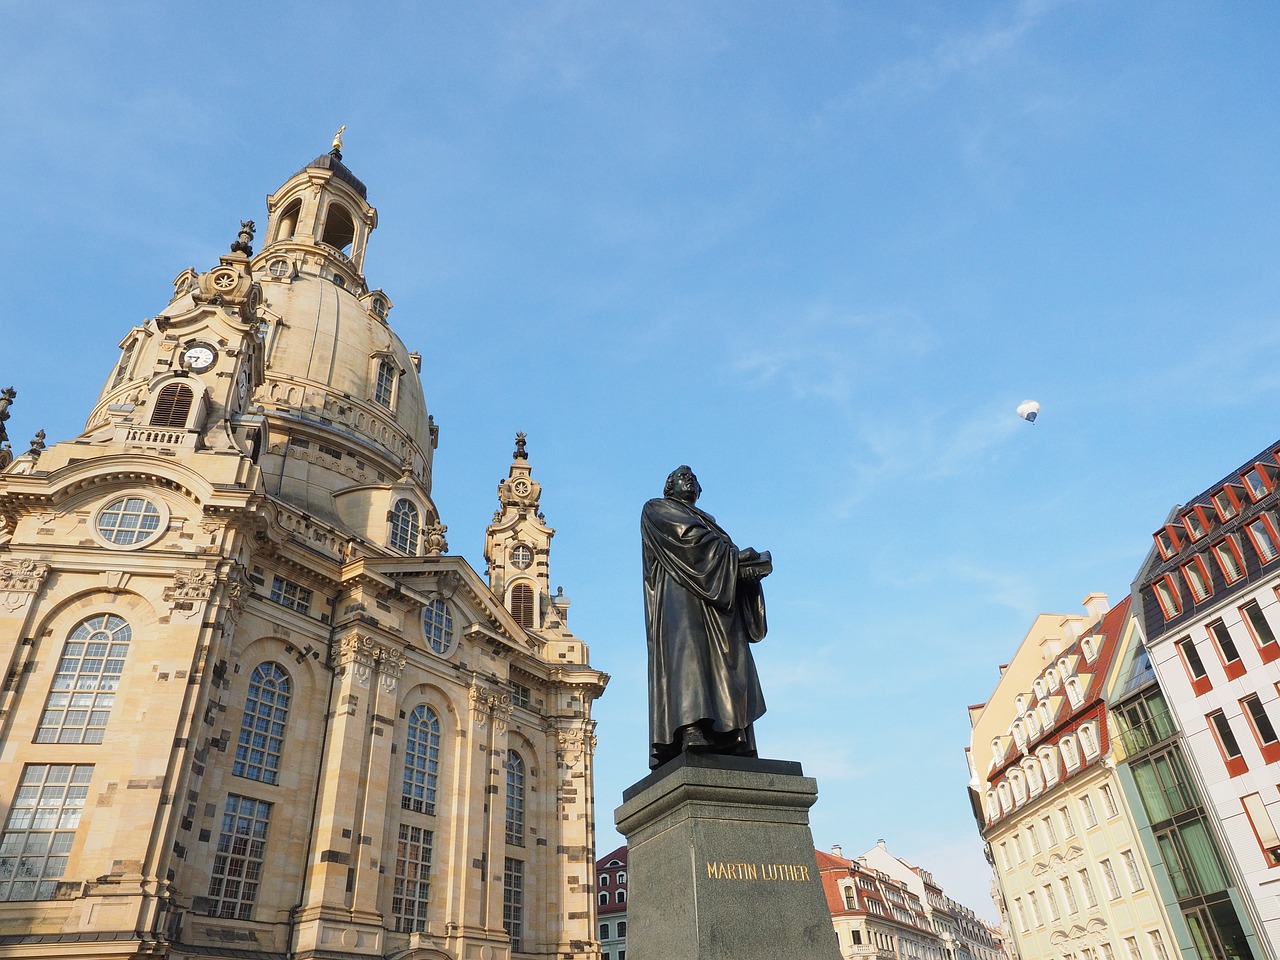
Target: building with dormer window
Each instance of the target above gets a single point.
(253, 707)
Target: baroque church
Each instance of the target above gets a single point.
(252, 707)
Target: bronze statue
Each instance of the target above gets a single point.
(703, 606)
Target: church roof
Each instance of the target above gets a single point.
(340, 170)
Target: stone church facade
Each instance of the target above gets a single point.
(252, 707)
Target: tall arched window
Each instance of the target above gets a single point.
(172, 406)
(421, 761)
(515, 799)
(266, 711)
(522, 605)
(384, 383)
(289, 220)
(405, 527)
(83, 689)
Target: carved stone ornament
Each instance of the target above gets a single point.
(486, 703)
(20, 580)
(190, 589)
(362, 655)
(433, 539)
(571, 744)
(24, 576)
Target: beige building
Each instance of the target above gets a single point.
(252, 707)
(1074, 880)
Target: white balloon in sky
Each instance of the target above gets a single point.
(1028, 409)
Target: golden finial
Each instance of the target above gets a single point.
(337, 137)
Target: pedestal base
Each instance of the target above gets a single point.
(721, 865)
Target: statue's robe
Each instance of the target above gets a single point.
(700, 619)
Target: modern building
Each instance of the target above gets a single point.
(252, 707)
(1074, 876)
(611, 903)
(1206, 598)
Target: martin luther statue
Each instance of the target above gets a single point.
(703, 608)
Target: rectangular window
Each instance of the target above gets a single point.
(1109, 878)
(1167, 542)
(1198, 580)
(1257, 481)
(1090, 815)
(1227, 743)
(412, 879)
(1086, 884)
(1131, 945)
(1017, 848)
(1197, 521)
(1226, 647)
(1167, 594)
(1109, 801)
(1049, 831)
(1227, 502)
(1164, 785)
(1263, 536)
(1033, 839)
(1068, 828)
(290, 594)
(1004, 854)
(1260, 629)
(237, 863)
(40, 829)
(1107, 952)
(519, 694)
(1132, 870)
(1229, 560)
(513, 901)
(1051, 902)
(1200, 682)
(1263, 730)
(1157, 945)
(1264, 828)
(1035, 908)
(1069, 895)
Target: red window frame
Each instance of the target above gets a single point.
(1266, 476)
(1205, 575)
(1270, 844)
(1198, 522)
(1235, 764)
(1201, 684)
(1232, 498)
(1221, 639)
(1234, 549)
(1271, 532)
(1167, 541)
(1164, 598)
(1267, 649)
(1270, 751)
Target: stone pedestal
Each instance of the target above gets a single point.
(721, 865)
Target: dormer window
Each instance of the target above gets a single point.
(1229, 559)
(1262, 533)
(1167, 541)
(1228, 500)
(1070, 753)
(1075, 694)
(1198, 580)
(339, 228)
(1089, 647)
(1167, 595)
(1051, 678)
(1259, 480)
(384, 384)
(1198, 521)
(172, 406)
(380, 307)
(1040, 688)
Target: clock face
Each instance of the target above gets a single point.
(199, 357)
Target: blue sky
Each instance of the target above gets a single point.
(819, 251)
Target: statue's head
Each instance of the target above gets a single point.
(682, 484)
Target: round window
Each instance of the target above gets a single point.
(437, 626)
(279, 268)
(129, 522)
(521, 556)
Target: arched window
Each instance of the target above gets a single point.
(622, 876)
(126, 361)
(266, 711)
(339, 228)
(437, 626)
(522, 605)
(515, 799)
(83, 689)
(172, 406)
(620, 896)
(405, 527)
(421, 761)
(604, 931)
(289, 220)
(384, 383)
(622, 928)
(602, 897)
(604, 879)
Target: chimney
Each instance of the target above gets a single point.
(880, 843)
(1096, 606)
(837, 850)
